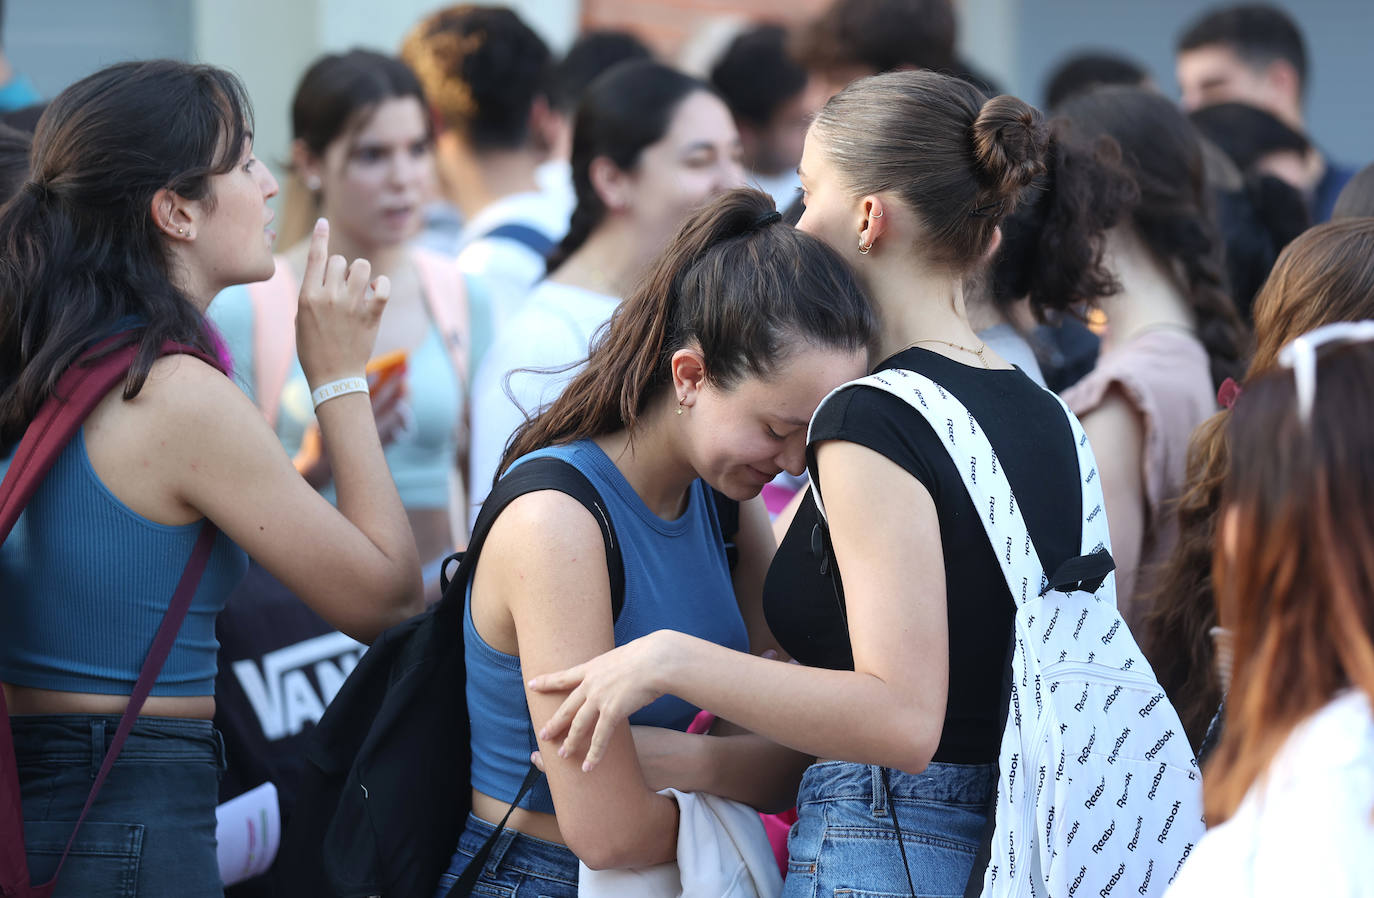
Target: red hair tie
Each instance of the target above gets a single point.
(1228, 393)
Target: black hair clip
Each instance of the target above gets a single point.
(988, 210)
(772, 216)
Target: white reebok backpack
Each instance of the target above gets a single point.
(1098, 792)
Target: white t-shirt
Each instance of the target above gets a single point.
(553, 329)
(555, 180)
(508, 267)
(1305, 828)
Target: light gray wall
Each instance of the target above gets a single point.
(1339, 34)
(56, 42)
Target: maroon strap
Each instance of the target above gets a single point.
(79, 391)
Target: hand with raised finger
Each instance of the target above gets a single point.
(338, 313)
(604, 691)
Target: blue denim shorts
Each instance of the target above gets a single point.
(520, 866)
(844, 842)
(150, 833)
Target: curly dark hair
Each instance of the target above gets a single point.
(1174, 216)
(482, 69)
(1052, 245)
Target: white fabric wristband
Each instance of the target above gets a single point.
(338, 388)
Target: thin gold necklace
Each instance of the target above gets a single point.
(978, 352)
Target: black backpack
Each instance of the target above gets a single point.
(386, 789)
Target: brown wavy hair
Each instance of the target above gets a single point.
(737, 283)
(1325, 275)
(1295, 580)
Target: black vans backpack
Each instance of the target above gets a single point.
(386, 789)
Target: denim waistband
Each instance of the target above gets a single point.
(517, 851)
(967, 784)
(85, 738)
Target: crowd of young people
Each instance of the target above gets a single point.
(488, 257)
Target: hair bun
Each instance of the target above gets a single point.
(1009, 142)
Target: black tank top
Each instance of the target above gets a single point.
(1031, 435)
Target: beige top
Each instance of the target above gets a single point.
(1165, 374)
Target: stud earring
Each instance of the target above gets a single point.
(181, 231)
(312, 183)
(679, 406)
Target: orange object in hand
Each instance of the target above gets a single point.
(386, 367)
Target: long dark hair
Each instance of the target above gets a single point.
(83, 255)
(336, 96)
(15, 146)
(744, 287)
(1325, 275)
(622, 112)
(1174, 216)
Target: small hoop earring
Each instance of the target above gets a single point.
(877, 213)
(864, 247)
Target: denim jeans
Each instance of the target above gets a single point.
(150, 833)
(520, 866)
(844, 842)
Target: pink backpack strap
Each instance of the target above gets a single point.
(446, 293)
(274, 336)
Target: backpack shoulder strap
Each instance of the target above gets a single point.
(532, 476)
(986, 481)
(80, 389)
(447, 297)
(274, 336)
(534, 240)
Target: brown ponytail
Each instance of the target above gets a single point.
(736, 282)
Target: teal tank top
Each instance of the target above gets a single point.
(676, 578)
(84, 585)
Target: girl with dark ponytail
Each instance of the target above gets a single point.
(650, 145)
(144, 200)
(1173, 333)
(705, 377)
(901, 623)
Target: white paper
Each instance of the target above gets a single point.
(249, 833)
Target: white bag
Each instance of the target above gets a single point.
(722, 852)
(1098, 791)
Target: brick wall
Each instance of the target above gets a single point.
(667, 25)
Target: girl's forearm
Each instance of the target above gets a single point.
(748, 768)
(839, 714)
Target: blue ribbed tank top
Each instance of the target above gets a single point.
(85, 582)
(676, 578)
